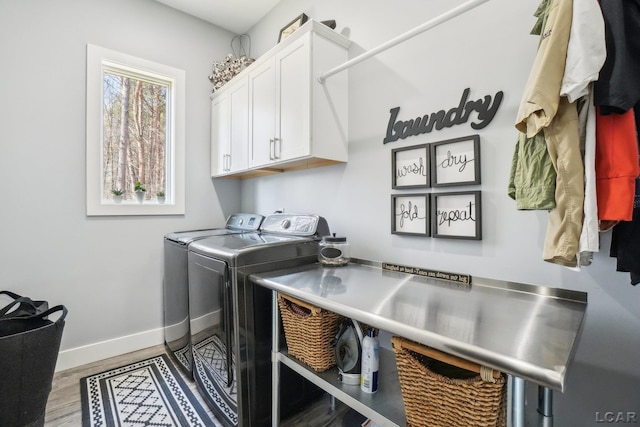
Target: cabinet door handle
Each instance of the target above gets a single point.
(228, 162)
(278, 144)
(272, 149)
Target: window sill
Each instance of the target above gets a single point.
(132, 207)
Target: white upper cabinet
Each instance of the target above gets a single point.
(293, 121)
(262, 129)
(229, 128)
(220, 132)
(281, 101)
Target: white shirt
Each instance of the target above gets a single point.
(586, 50)
(586, 53)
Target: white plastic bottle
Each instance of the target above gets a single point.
(370, 363)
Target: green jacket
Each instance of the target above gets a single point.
(532, 182)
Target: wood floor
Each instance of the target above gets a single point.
(64, 407)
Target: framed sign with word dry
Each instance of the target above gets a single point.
(457, 215)
(410, 167)
(410, 214)
(455, 161)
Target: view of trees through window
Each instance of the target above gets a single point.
(134, 134)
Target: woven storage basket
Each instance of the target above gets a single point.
(309, 331)
(437, 394)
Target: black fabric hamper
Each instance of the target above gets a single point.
(29, 346)
(21, 306)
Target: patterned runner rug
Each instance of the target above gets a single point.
(210, 366)
(145, 393)
(184, 357)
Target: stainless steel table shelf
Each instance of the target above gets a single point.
(385, 407)
(527, 331)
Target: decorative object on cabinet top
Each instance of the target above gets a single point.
(241, 47)
(225, 70)
(233, 63)
(292, 26)
(331, 23)
(311, 25)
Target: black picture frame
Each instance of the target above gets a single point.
(456, 215)
(410, 167)
(410, 214)
(288, 29)
(455, 162)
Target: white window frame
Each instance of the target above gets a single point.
(99, 59)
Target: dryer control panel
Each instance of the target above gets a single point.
(295, 225)
(244, 222)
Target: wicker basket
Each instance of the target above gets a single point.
(438, 394)
(309, 331)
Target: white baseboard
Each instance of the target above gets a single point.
(78, 356)
(90, 353)
(177, 330)
(205, 321)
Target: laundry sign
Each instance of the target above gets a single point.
(480, 112)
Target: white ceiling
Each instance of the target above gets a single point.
(237, 16)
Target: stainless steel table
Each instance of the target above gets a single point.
(527, 331)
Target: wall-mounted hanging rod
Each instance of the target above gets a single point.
(401, 38)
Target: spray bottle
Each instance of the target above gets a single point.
(370, 363)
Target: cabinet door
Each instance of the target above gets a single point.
(220, 149)
(262, 114)
(239, 126)
(293, 101)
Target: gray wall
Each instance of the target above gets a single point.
(106, 270)
(488, 49)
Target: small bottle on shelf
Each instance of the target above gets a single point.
(370, 362)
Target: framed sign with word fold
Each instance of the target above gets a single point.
(455, 161)
(410, 214)
(410, 167)
(457, 215)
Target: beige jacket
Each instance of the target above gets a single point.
(542, 108)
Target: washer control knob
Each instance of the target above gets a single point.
(286, 224)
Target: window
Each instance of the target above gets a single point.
(135, 135)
